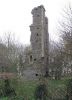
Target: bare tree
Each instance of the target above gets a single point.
(56, 59)
(10, 51)
(65, 31)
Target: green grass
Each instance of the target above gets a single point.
(26, 89)
(56, 88)
(4, 98)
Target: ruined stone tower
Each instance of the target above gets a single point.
(40, 39)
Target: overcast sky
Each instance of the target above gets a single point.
(15, 16)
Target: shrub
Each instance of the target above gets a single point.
(41, 92)
(69, 90)
(7, 89)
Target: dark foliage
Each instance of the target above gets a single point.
(69, 90)
(7, 89)
(41, 92)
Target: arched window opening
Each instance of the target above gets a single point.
(37, 34)
(30, 58)
(37, 27)
(35, 59)
(38, 15)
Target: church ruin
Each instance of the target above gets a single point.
(39, 40)
(36, 61)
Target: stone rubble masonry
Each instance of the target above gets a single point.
(39, 39)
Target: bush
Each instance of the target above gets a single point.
(7, 89)
(41, 92)
(69, 90)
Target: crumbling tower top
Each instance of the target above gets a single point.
(38, 15)
(37, 8)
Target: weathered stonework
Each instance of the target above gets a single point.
(39, 40)
(36, 57)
